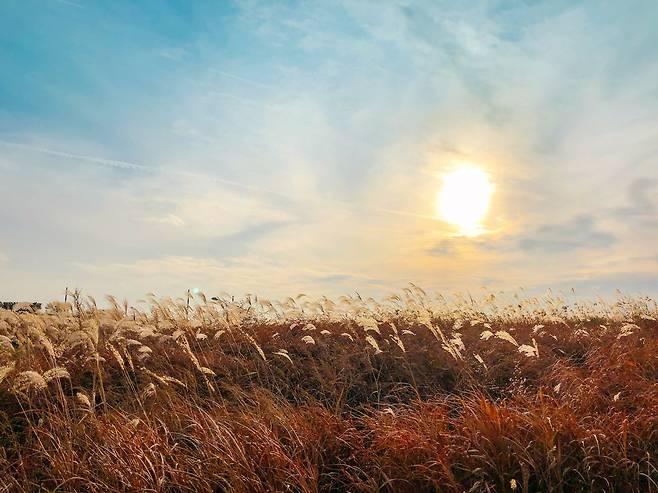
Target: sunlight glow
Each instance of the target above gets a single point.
(464, 199)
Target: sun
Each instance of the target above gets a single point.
(464, 198)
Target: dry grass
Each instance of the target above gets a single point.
(415, 393)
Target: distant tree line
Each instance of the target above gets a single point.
(20, 306)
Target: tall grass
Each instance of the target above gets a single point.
(412, 393)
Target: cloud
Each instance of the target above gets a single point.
(579, 233)
(205, 210)
(357, 281)
(456, 245)
(70, 3)
(168, 219)
(83, 160)
(266, 276)
(606, 284)
(643, 197)
(95, 214)
(288, 148)
(444, 248)
(644, 192)
(176, 54)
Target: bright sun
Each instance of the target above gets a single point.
(464, 198)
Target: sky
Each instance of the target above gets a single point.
(298, 147)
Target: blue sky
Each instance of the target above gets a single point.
(284, 147)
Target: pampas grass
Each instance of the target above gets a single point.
(416, 392)
(29, 380)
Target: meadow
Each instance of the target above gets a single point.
(416, 392)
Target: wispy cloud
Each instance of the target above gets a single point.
(578, 233)
(272, 147)
(643, 197)
(126, 165)
(168, 219)
(230, 274)
(70, 3)
(176, 53)
(131, 166)
(239, 78)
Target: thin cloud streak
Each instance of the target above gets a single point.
(127, 165)
(70, 4)
(241, 79)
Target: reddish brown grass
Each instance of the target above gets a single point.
(229, 412)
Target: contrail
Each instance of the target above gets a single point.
(241, 79)
(78, 157)
(70, 3)
(127, 165)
